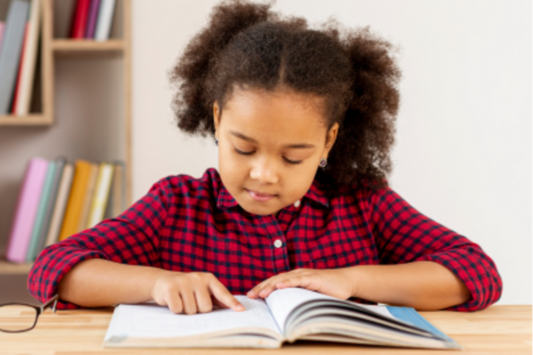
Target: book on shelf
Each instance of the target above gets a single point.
(2, 28)
(79, 19)
(21, 106)
(92, 19)
(11, 51)
(286, 315)
(26, 210)
(87, 198)
(51, 201)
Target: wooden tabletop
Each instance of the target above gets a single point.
(495, 330)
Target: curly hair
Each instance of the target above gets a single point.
(353, 70)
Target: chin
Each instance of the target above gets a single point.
(258, 210)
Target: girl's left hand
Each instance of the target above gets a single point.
(333, 282)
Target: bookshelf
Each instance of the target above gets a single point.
(81, 106)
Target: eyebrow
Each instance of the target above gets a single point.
(295, 146)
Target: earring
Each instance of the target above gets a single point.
(323, 163)
(216, 141)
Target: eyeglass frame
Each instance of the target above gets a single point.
(39, 310)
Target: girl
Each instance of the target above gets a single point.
(304, 122)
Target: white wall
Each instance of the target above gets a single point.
(463, 152)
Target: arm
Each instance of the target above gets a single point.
(423, 285)
(125, 245)
(426, 264)
(100, 283)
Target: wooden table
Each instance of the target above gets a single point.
(495, 330)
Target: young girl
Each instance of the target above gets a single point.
(304, 123)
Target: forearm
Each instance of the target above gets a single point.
(101, 283)
(424, 285)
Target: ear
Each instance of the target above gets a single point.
(330, 138)
(216, 117)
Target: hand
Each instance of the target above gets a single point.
(333, 282)
(192, 292)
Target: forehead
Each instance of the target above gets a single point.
(281, 114)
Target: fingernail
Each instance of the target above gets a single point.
(239, 307)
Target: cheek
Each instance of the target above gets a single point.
(233, 169)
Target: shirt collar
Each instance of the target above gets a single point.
(315, 193)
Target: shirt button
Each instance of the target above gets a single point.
(297, 204)
(278, 243)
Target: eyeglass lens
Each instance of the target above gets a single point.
(17, 317)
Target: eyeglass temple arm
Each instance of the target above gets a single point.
(53, 299)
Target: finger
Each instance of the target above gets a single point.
(222, 294)
(174, 302)
(189, 302)
(255, 291)
(203, 299)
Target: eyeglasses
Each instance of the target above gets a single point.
(20, 317)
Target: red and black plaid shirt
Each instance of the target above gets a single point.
(186, 224)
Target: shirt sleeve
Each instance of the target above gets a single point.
(405, 235)
(131, 238)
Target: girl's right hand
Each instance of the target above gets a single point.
(192, 292)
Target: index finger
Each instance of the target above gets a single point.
(221, 293)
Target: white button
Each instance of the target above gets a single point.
(278, 243)
(297, 203)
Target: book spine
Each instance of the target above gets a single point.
(60, 164)
(80, 19)
(101, 193)
(93, 17)
(19, 72)
(41, 211)
(2, 31)
(75, 200)
(87, 200)
(11, 49)
(26, 210)
(28, 60)
(60, 205)
(105, 17)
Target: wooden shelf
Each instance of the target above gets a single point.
(7, 267)
(30, 120)
(70, 46)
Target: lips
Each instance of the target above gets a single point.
(260, 196)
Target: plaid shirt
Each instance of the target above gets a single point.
(186, 224)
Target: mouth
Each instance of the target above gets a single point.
(260, 196)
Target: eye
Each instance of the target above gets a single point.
(243, 153)
(292, 161)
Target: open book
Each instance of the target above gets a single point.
(286, 315)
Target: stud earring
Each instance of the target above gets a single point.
(216, 141)
(323, 163)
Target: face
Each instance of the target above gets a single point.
(270, 145)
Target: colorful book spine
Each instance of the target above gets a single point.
(60, 165)
(93, 17)
(29, 57)
(26, 210)
(17, 16)
(80, 19)
(19, 73)
(101, 193)
(60, 205)
(88, 198)
(75, 200)
(105, 17)
(41, 211)
(2, 28)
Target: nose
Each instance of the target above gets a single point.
(264, 171)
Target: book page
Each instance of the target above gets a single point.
(283, 301)
(155, 321)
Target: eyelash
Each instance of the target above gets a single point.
(294, 162)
